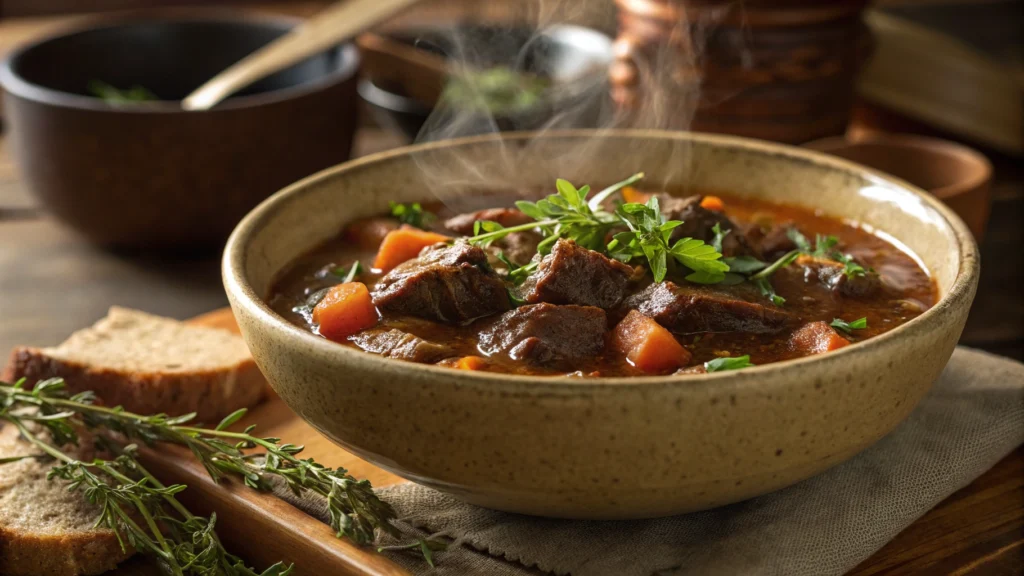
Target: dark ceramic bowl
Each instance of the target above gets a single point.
(149, 174)
(573, 59)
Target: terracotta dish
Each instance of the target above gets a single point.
(955, 174)
(149, 174)
(636, 447)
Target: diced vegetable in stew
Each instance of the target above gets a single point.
(621, 282)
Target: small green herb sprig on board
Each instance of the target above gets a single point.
(569, 214)
(145, 513)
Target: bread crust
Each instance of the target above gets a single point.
(211, 394)
(48, 551)
(83, 553)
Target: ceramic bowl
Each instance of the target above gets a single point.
(954, 173)
(149, 174)
(601, 448)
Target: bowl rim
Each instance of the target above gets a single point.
(16, 85)
(241, 293)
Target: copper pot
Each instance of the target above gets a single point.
(781, 71)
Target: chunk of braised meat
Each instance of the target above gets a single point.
(546, 334)
(446, 283)
(688, 309)
(816, 338)
(698, 222)
(769, 244)
(394, 343)
(463, 223)
(572, 274)
(519, 247)
(369, 232)
(832, 274)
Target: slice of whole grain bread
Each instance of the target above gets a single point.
(45, 530)
(149, 364)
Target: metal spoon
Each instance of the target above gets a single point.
(328, 28)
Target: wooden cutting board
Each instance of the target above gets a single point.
(260, 527)
(976, 531)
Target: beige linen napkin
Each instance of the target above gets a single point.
(972, 418)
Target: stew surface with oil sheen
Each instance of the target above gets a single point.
(629, 283)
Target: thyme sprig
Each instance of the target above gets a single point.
(126, 492)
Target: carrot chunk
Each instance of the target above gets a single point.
(713, 203)
(471, 363)
(404, 244)
(647, 345)
(816, 338)
(345, 309)
(630, 194)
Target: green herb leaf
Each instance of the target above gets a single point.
(728, 363)
(412, 214)
(231, 419)
(113, 95)
(348, 274)
(744, 264)
(703, 259)
(848, 327)
(716, 242)
(801, 241)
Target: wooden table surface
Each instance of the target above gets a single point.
(52, 283)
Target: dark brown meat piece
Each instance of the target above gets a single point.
(395, 343)
(547, 334)
(463, 223)
(769, 244)
(691, 309)
(699, 221)
(571, 274)
(451, 284)
(519, 247)
(831, 274)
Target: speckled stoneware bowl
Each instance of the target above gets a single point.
(602, 448)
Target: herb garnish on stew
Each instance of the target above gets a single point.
(728, 363)
(848, 327)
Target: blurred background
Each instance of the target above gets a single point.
(109, 194)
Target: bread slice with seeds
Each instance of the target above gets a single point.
(149, 364)
(45, 530)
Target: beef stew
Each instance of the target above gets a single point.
(623, 283)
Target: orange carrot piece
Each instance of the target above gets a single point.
(404, 244)
(647, 345)
(816, 338)
(471, 363)
(713, 203)
(630, 194)
(345, 309)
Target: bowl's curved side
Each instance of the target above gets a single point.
(612, 448)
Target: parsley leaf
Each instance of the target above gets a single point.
(761, 278)
(412, 214)
(840, 324)
(113, 95)
(350, 274)
(722, 364)
(719, 236)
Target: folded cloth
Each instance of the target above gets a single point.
(971, 419)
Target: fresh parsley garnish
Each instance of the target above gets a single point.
(761, 279)
(824, 247)
(113, 95)
(568, 214)
(720, 235)
(412, 214)
(728, 363)
(648, 236)
(349, 274)
(848, 327)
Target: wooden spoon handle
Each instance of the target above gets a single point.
(330, 27)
